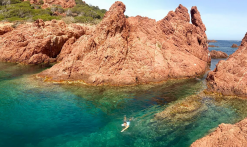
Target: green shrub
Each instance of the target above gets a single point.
(68, 20)
(83, 19)
(1, 17)
(41, 2)
(79, 2)
(15, 1)
(18, 10)
(46, 17)
(11, 19)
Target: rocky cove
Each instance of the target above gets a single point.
(139, 51)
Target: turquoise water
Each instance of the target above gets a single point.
(37, 114)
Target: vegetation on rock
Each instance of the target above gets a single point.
(15, 10)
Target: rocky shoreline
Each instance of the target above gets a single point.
(226, 135)
(122, 51)
(228, 79)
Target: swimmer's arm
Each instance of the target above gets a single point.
(125, 128)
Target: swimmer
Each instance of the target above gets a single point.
(126, 123)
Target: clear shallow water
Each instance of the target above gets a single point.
(37, 114)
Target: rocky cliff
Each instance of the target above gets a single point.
(229, 77)
(48, 3)
(40, 42)
(136, 50)
(226, 135)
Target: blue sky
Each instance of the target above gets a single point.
(224, 19)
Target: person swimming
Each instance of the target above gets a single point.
(126, 123)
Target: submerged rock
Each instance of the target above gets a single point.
(136, 50)
(217, 54)
(36, 43)
(183, 110)
(234, 46)
(229, 77)
(226, 135)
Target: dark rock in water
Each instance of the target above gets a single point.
(226, 135)
(135, 50)
(211, 41)
(212, 46)
(229, 77)
(217, 54)
(234, 46)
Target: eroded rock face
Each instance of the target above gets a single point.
(48, 3)
(5, 29)
(136, 50)
(37, 43)
(229, 77)
(226, 135)
(218, 54)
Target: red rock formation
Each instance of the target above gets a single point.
(229, 77)
(136, 50)
(226, 135)
(234, 46)
(38, 42)
(48, 3)
(5, 29)
(217, 54)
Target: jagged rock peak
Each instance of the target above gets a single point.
(196, 18)
(244, 40)
(182, 12)
(119, 6)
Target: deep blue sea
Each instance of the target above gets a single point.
(38, 114)
(225, 46)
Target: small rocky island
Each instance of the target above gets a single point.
(218, 54)
(234, 46)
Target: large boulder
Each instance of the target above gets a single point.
(229, 77)
(40, 42)
(218, 54)
(135, 50)
(226, 135)
(48, 3)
